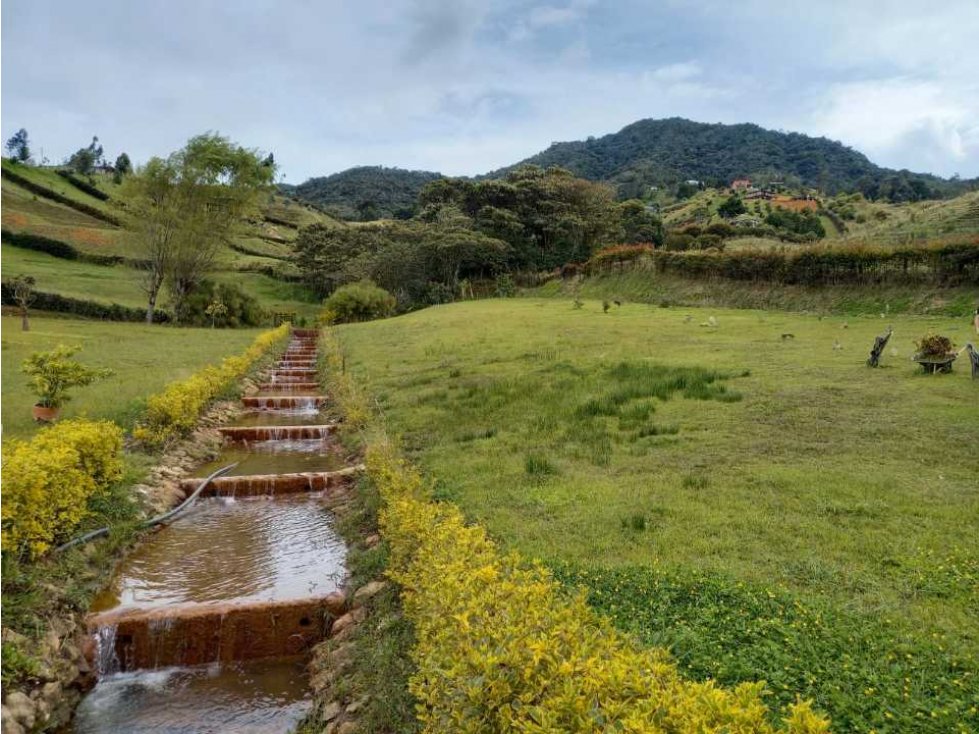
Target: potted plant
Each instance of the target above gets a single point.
(935, 353)
(52, 374)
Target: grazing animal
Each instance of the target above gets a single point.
(617, 303)
(836, 345)
(787, 336)
(846, 325)
(712, 321)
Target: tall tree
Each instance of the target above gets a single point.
(18, 146)
(189, 204)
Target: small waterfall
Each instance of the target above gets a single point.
(106, 659)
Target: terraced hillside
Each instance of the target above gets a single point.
(87, 216)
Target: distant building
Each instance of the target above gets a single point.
(741, 184)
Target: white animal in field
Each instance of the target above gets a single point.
(712, 321)
(836, 345)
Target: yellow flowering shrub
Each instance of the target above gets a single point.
(175, 411)
(48, 481)
(499, 646)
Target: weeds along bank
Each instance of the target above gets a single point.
(767, 508)
(499, 646)
(68, 479)
(938, 279)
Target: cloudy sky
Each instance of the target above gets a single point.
(463, 87)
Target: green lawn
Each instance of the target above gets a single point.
(765, 507)
(145, 359)
(105, 284)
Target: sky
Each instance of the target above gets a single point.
(464, 87)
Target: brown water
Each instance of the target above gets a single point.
(257, 697)
(225, 550)
(277, 457)
(245, 550)
(303, 417)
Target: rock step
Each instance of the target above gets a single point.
(276, 433)
(293, 372)
(289, 386)
(195, 634)
(263, 485)
(283, 401)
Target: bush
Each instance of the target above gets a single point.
(239, 308)
(49, 482)
(361, 301)
(78, 307)
(175, 411)
(500, 648)
(56, 248)
(54, 373)
(934, 346)
(678, 241)
(81, 185)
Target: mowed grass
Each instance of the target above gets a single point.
(145, 359)
(105, 284)
(766, 507)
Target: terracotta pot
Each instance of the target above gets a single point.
(44, 414)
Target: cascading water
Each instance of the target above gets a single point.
(240, 576)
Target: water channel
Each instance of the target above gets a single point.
(205, 587)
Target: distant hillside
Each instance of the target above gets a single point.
(665, 152)
(366, 192)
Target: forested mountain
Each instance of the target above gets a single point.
(665, 152)
(366, 192)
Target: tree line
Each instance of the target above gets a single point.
(532, 219)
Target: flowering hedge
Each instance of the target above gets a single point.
(49, 480)
(175, 411)
(499, 647)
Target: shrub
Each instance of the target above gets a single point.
(56, 248)
(175, 411)
(84, 309)
(361, 301)
(239, 308)
(934, 346)
(678, 241)
(82, 185)
(500, 648)
(49, 481)
(54, 373)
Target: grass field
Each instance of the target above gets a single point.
(767, 508)
(644, 286)
(145, 358)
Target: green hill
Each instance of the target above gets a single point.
(92, 224)
(366, 192)
(666, 152)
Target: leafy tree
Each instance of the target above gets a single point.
(361, 301)
(639, 224)
(732, 207)
(19, 147)
(23, 287)
(393, 192)
(186, 206)
(123, 164)
(84, 160)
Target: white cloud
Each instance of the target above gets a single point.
(905, 122)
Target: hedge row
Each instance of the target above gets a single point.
(85, 309)
(57, 248)
(93, 191)
(945, 264)
(244, 250)
(61, 199)
(49, 481)
(499, 647)
(174, 412)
